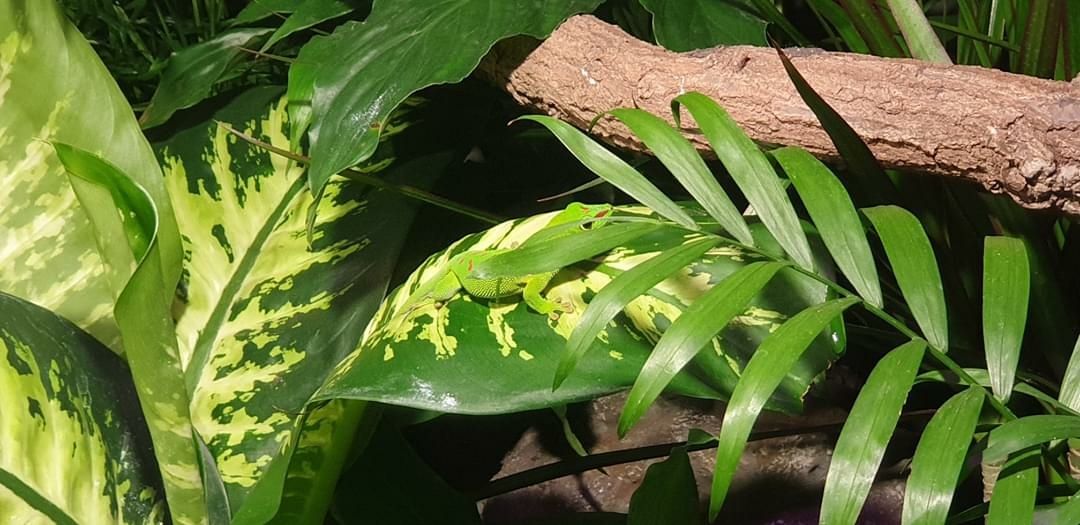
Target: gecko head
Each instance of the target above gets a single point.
(581, 211)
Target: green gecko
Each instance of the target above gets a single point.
(531, 287)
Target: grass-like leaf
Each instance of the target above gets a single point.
(668, 495)
(751, 170)
(701, 321)
(872, 26)
(1060, 514)
(683, 161)
(835, 15)
(912, 260)
(836, 219)
(867, 431)
(939, 457)
(776, 355)
(1006, 283)
(554, 253)
(611, 168)
(920, 37)
(613, 297)
(1013, 500)
(1070, 384)
(1022, 433)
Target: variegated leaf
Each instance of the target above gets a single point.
(70, 426)
(54, 88)
(452, 357)
(265, 316)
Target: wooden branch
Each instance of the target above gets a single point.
(1009, 133)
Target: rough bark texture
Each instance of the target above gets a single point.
(1009, 133)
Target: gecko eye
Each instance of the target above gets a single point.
(470, 265)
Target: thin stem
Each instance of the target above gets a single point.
(271, 56)
(363, 178)
(572, 466)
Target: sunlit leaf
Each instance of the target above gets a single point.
(1070, 384)
(1006, 283)
(1013, 500)
(1022, 433)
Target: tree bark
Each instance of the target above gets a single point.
(1009, 133)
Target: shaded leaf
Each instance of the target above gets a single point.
(920, 37)
(913, 263)
(1025, 432)
(1013, 500)
(866, 433)
(668, 494)
(1006, 285)
(686, 25)
(257, 10)
(308, 14)
(836, 219)
(762, 375)
(939, 457)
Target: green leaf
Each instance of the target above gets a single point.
(369, 498)
(920, 37)
(688, 335)
(431, 356)
(143, 313)
(1041, 33)
(1070, 384)
(871, 24)
(776, 355)
(611, 168)
(1013, 500)
(191, 73)
(1060, 514)
(265, 317)
(56, 89)
(866, 433)
(829, 10)
(939, 458)
(75, 445)
(686, 25)
(1022, 433)
(257, 10)
(1006, 283)
(751, 171)
(835, 217)
(614, 297)
(668, 494)
(358, 75)
(307, 14)
(912, 260)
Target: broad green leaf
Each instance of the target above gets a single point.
(866, 433)
(1070, 384)
(358, 75)
(836, 219)
(913, 263)
(257, 10)
(264, 317)
(1022, 433)
(1006, 283)
(432, 356)
(74, 443)
(688, 335)
(191, 73)
(611, 168)
(1065, 513)
(143, 313)
(776, 355)
(614, 297)
(668, 494)
(683, 161)
(869, 180)
(1013, 500)
(307, 14)
(54, 88)
(379, 498)
(939, 457)
(686, 25)
(920, 37)
(751, 171)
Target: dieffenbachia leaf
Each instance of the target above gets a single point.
(750, 169)
(54, 88)
(307, 14)
(763, 374)
(257, 10)
(942, 449)
(1006, 283)
(866, 433)
(143, 313)
(357, 75)
(264, 317)
(450, 356)
(912, 260)
(686, 25)
(75, 445)
(668, 494)
(835, 217)
(192, 72)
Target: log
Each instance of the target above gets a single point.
(1011, 134)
